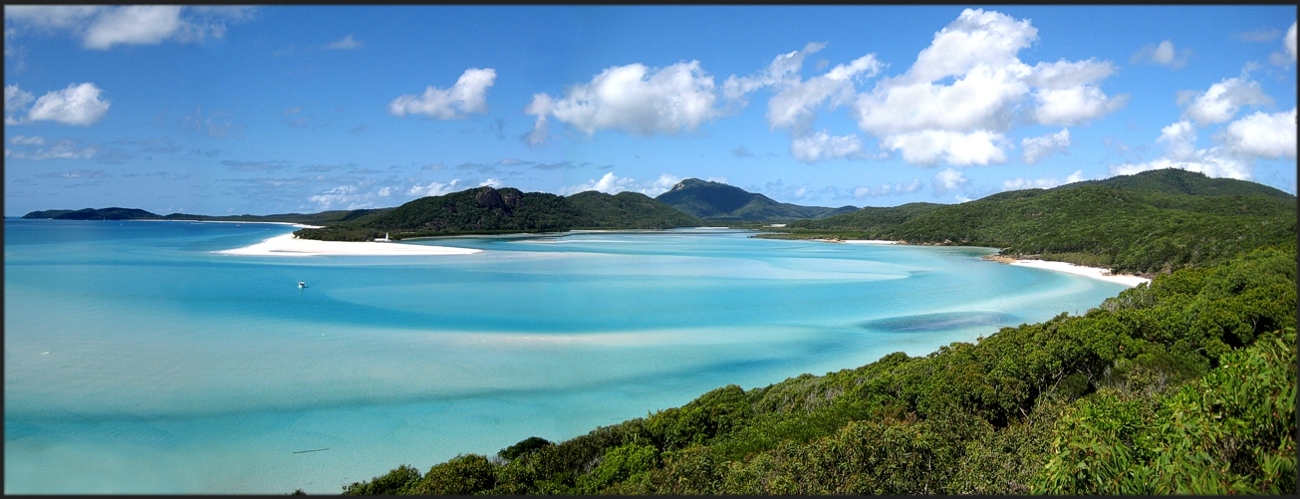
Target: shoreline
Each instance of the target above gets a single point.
(289, 245)
(1070, 268)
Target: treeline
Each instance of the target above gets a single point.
(486, 210)
(115, 213)
(1186, 385)
(1151, 222)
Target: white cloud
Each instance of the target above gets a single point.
(962, 122)
(792, 108)
(608, 184)
(1263, 135)
(1037, 148)
(75, 105)
(16, 100)
(927, 147)
(633, 99)
(102, 27)
(468, 95)
(1288, 41)
(1222, 100)
(1179, 139)
(948, 180)
(491, 182)
(1212, 162)
(821, 145)
(347, 43)
(613, 184)
(432, 189)
(63, 149)
(784, 69)
(888, 189)
(1040, 183)
(134, 25)
(25, 140)
(1163, 54)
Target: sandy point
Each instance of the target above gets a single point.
(290, 245)
(1070, 268)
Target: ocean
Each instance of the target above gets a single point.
(138, 360)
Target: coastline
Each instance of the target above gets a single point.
(289, 245)
(1070, 268)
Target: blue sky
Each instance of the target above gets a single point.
(227, 110)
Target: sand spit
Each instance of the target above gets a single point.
(289, 245)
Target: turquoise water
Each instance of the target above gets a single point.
(139, 361)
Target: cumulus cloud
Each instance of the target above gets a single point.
(1263, 135)
(948, 180)
(102, 27)
(347, 43)
(468, 95)
(16, 100)
(887, 189)
(961, 121)
(491, 182)
(1222, 100)
(1037, 148)
(78, 104)
(821, 145)
(1287, 56)
(633, 99)
(433, 188)
(792, 107)
(784, 68)
(1040, 183)
(1163, 54)
(928, 147)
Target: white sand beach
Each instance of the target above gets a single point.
(1093, 272)
(868, 241)
(288, 245)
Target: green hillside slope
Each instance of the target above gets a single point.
(1146, 223)
(487, 210)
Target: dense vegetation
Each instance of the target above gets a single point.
(486, 210)
(1186, 385)
(1149, 222)
(722, 202)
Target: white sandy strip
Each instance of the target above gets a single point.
(869, 241)
(288, 245)
(1093, 272)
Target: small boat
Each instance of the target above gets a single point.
(384, 240)
(301, 284)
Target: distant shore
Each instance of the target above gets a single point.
(289, 245)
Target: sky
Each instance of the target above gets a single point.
(278, 109)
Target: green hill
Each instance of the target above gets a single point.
(722, 202)
(1149, 222)
(487, 210)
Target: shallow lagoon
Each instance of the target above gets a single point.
(139, 361)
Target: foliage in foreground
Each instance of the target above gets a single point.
(1183, 386)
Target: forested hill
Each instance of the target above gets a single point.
(722, 202)
(113, 213)
(1150, 222)
(487, 210)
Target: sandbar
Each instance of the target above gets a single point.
(868, 241)
(289, 245)
(1093, 272)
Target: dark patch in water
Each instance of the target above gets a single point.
(938, 322)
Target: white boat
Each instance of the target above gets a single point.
(301, 284)
(384, 240)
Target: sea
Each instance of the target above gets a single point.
(138, 360)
